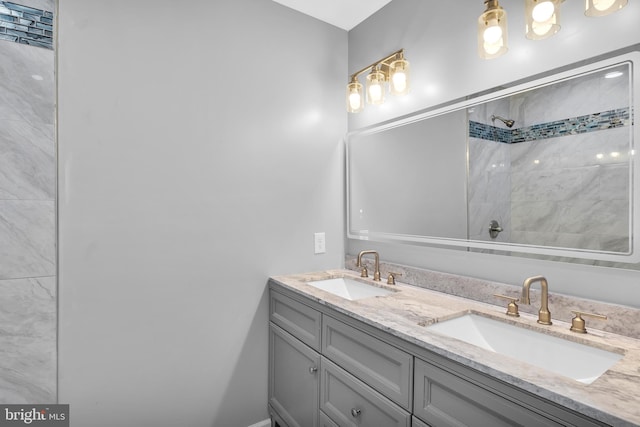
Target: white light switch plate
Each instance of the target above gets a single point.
(319, 243)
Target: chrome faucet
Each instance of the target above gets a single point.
(364, 272)
(544, 316)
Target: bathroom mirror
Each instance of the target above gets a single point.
(545, 169)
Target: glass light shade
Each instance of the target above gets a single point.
(603, 7)
(355, 97)
(542, 18)
(375, 87)
(492, 31)
(399, 80)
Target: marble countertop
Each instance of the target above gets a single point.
(613, 398)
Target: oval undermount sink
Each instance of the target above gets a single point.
(348, 288)
(570, 359)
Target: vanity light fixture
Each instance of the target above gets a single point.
(391, 71)
(603, 7)
(542, 18)
(492, 31)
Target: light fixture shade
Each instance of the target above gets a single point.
(492, 31)
(355, 97)
(542, 18)
(603, 7)
(399, 77)
(375, 87)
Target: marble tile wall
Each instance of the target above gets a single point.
(561, 171)
(27, 222)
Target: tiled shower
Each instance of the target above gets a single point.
(27, 203)
(562, 170)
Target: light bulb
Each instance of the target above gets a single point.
(492, 48)
(541, 28)
(354, 101)
(400, 82)
(399, 71)
(375, 93)
(603, 7)
(543, 11)
(603, 4)
(493, 33)
(375, 87)
(354, 97)
(542, 18)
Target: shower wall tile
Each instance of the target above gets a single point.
(26, 25)
(489, 189)
(575, 97)
(28, 341)
(27, 219)
(27, 161)
(27, 238)
(26, 83)
(48, 5)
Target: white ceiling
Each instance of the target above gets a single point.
(344, 14)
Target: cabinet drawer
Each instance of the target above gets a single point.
(350, 403)
(380, 365)
(445, 399)
(299, 320)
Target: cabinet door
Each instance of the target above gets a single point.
(351, 403)
(326, 421)
(415, 422)
(444, 399)
(293, 379)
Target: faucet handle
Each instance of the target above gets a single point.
(391, 280)
(512, 308)
(578, 324)
(364, 272)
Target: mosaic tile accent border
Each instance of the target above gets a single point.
(26, 25)
(572, 126)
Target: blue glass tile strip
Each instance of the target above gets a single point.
(572, 126)
(26, 25)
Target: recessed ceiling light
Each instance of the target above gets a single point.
(37, 77)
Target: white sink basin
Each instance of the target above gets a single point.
(574, 360)
(349, 289)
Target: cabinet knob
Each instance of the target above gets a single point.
(355, 412)
(313, 370)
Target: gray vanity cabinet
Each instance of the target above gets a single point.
(293, 392)
(447, 395)
(294, 362)
(415, 422)
(327, 369)
(325, 421)
(384, 367)
(445, 399)
(351, 403)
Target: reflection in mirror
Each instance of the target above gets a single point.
(545, 170)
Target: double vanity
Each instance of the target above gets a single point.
(347, 350)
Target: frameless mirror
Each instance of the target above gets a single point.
(544, 169)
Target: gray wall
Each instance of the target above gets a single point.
(439, 39)
(27, 222)
(199, 150)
